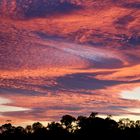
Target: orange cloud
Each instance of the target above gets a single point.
(130, 73)
(75, 62)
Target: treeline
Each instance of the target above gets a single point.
(71, 128)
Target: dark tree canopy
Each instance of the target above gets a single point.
(71, 128)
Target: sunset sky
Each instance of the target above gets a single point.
(72, 57)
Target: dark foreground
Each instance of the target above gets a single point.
(70, 128)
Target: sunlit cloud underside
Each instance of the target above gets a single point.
(74, 62)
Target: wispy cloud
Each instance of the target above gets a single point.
(4, 107)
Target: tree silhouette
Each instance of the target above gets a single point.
(93, 114)
(70, 128)
(67, 121)
(28, 129)
(57, 131)
(36, 126)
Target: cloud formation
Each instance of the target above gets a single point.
(70, 62)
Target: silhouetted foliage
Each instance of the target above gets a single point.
(71, 128)
(67, 121)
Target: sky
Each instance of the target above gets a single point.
(69, 57)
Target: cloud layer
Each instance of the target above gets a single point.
(58, 62)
